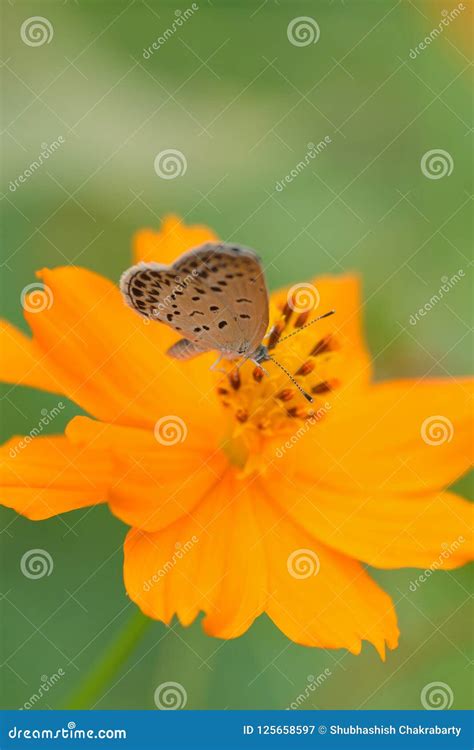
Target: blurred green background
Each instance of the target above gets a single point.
(241, 102)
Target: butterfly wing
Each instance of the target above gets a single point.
(215, 295)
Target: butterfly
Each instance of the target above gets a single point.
(214, 295)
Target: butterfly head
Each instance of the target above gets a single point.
(262, 354)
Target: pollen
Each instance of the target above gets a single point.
(234, 379)
(305, 369)
(262, 403)
(285, 395)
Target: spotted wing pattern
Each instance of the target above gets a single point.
(214, 295)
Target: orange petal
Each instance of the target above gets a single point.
(108, 361)
(386, 531)
(23, 361)
(173, 239)
(401, 436)
(231, 559)
(43, 476)
(210, 561)
(317, 596)
(342, 294)
(156, 481)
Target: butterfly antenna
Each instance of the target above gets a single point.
(307, 325)
(293, 380)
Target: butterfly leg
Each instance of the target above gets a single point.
(240, 363)
(214, 364)
(217, 362)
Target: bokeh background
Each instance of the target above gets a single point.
(241, 102)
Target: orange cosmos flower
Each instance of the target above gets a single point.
(242, 497)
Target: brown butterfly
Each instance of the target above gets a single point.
(214, 295)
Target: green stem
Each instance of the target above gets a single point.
(115, 655)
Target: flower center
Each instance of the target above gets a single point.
(263, 404)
